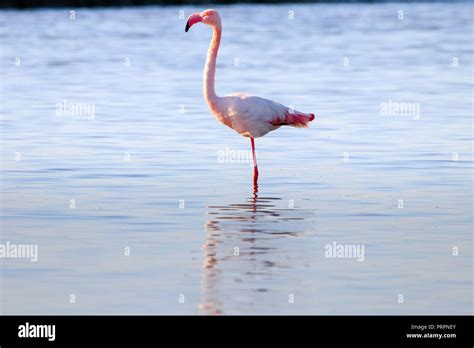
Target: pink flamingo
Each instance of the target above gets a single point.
(248, 115)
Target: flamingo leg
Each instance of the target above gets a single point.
(255, 167)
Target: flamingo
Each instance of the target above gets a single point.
(248, 115)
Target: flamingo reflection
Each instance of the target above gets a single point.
(242, 232)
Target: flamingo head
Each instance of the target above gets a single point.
(209, 17)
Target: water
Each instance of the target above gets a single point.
(147, 172)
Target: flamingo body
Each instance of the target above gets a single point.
(252, 116)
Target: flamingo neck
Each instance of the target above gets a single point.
(210, 68)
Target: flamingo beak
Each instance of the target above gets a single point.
(193, 19)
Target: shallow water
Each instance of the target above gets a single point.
(151, 170)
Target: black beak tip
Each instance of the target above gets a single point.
(187, 27)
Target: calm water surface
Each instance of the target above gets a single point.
(146, 170)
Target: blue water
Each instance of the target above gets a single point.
(145, 171)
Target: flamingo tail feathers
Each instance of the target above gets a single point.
(296, 119)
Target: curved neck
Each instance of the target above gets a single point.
(210, 67)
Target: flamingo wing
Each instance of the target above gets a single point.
(254, 117)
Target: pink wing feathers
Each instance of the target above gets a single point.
(254, 116)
